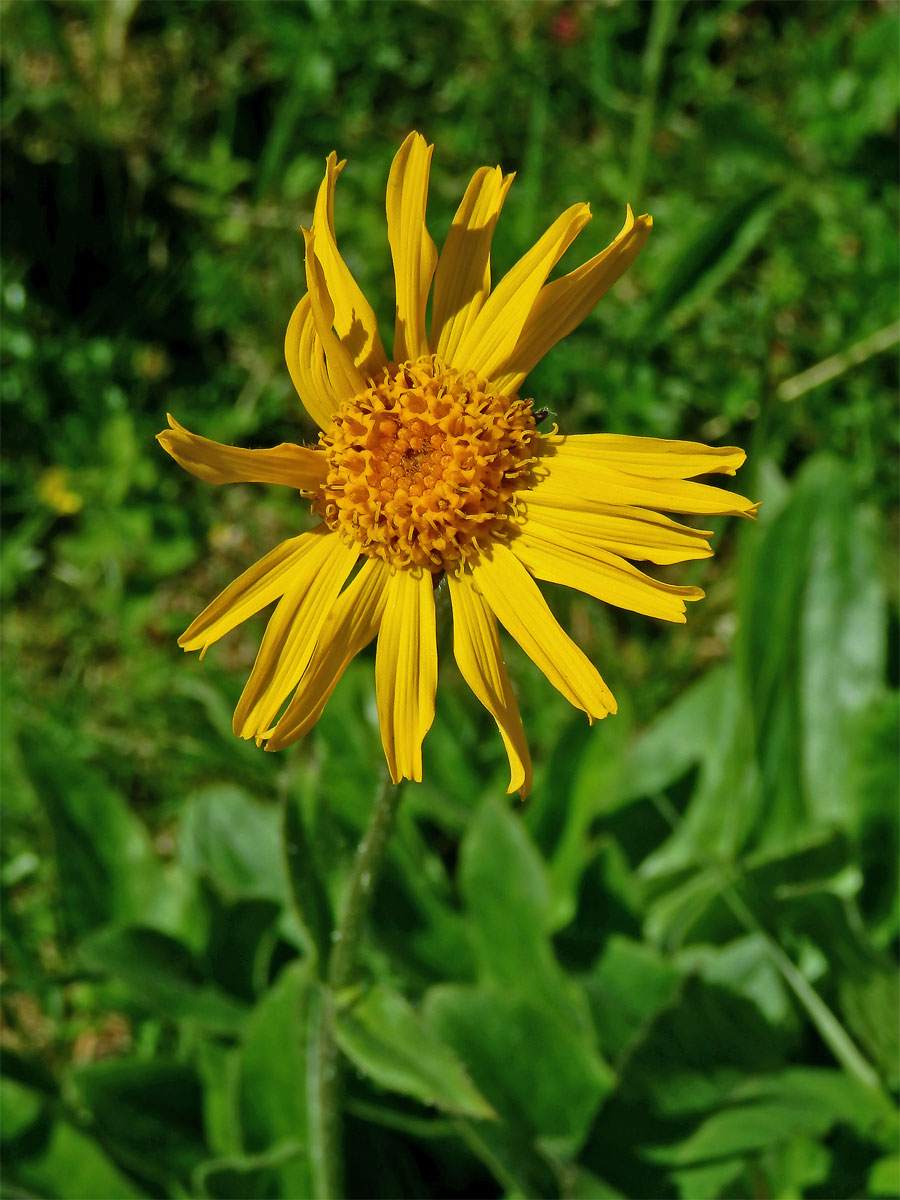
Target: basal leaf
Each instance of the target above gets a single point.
(552, 1095)
(272, 1096)
(233, 841)
(387, 1039)
(161, 974)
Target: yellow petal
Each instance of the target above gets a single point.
(565, 302)
(294, 466)
(462, 281)
(632, 532)
(489, 340)
(305, 360)
(406, 671)
(550, 555)
(349, 627)
(354, 320)
(265, 581)
(413, 252)
(581, 485)
(292, 631)
(654, 458)
(522, 610)
(346, 379)
(476, 647)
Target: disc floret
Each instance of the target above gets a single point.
(424, 465)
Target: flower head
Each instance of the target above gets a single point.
(430, 463)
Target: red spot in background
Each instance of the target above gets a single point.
(565, 28)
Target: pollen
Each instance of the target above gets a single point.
(424, 465)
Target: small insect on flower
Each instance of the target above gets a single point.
(429, 462)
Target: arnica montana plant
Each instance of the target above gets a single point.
(430, 463)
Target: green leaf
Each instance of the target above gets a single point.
(843, 630)
(884, 1177)
(687, 1063)
(272, 1095)
(385, 1037)
(71, 1167)
(745, 966)
(763, 1116)
(233, 841)
(552, 1095)
(812, 648)
(310, 900)
(507, 892)
(874, 781)
(20, 1108)
(162, 974)
(628, 986)
(150, 1114)
(106, 866)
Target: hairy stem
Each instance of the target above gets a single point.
(325, 1067)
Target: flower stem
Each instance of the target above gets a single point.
(324, 1057)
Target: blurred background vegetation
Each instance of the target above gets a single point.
(670, 973)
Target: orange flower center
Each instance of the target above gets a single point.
(423, 466)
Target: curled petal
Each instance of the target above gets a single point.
(564, 303)
(491, 338)
(354, 320)
(294, 466)
(305, 360)
(462, 281)
(346, 378)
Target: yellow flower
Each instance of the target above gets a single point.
(429, 463)
(53, 488)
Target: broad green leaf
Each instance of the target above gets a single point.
(552, 1095)
(507, 893)
(584, 776)
(884, 1177)
(70, 1167)
(812, 647)
(150, 1114)
(241, 938)
(272, 1095)
(161, 974)
(679, 738)
(308, 896)
(687, 1063)
(873, 779)
(106, 866)
(387, 1039)
(628, 986)
(746, 967)
(842, 630)
(20, 1107)
(763, 1114)
(869, 992)
(233, 841)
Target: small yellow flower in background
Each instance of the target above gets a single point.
(429, 462)
(53, 488)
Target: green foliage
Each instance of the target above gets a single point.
(670, 973)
